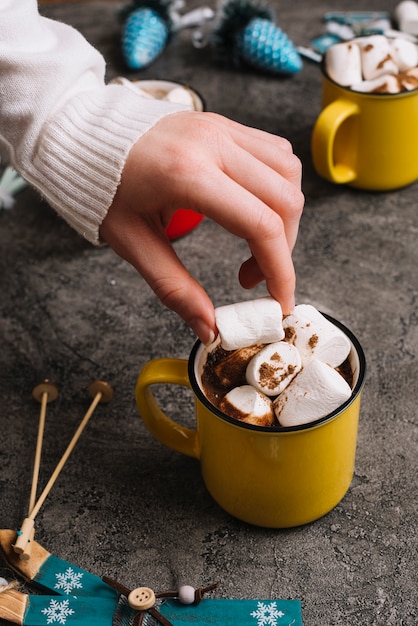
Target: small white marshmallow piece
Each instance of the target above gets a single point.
(343, 63)
(273, 367)
(316, 337)
(315, 392)
(376, 57)
(248, 405)
(180, 95)
(246, 323)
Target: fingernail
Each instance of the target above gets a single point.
(203, 331)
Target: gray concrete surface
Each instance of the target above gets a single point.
(125, 505)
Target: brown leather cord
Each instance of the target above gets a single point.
(116, 585)
(160, 618)
(199, 593)
(139, 617)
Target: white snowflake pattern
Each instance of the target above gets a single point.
(267, 614)
(69, 580)
(58, 612)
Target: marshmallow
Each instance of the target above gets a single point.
(388, 83)
(272, 369)
(315, 337)
(248, 405)
(247, 323)
(315, 392)
(180, 95)
(409, 80)
(343, 63)
(376, 57)
(405, 53)
(406, 14)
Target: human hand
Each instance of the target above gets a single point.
(245, 179)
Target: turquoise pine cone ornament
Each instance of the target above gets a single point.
(146, 31)
(248, 35)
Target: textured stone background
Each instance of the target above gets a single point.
(125, 505)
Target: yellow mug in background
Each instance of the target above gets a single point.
(271, 477)
(366, 140)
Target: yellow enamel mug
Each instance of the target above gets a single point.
(275, 477)
(366, 140)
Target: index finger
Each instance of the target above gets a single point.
(246, 216)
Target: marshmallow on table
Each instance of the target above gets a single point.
(273, 367)
(316, 337)
(376, 57)
(246, 404)
(246, 323)
(343, 63)
(315, 392)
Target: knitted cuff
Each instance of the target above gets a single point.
(81, 153)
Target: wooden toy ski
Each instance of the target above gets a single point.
(71, 596)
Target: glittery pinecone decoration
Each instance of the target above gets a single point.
(247, 34)
(146, 31)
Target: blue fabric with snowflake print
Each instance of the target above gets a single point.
(69, 611)
(83, 599)
(232, 612)
(66, 579)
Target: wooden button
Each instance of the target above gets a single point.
(141, 598)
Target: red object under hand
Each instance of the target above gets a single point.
(182, 222)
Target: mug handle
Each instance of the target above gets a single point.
(324, 133)
(166, 430)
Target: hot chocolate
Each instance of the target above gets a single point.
(253, 384)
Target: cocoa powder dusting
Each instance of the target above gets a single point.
(290, 334)
(313, 341)
(383, 61)
(267, 375)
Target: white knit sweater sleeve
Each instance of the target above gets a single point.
(61, 127)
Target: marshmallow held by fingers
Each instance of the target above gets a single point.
(246, 323)
(246, 404)
(272, 369)
(315, 337)
(315, 392)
